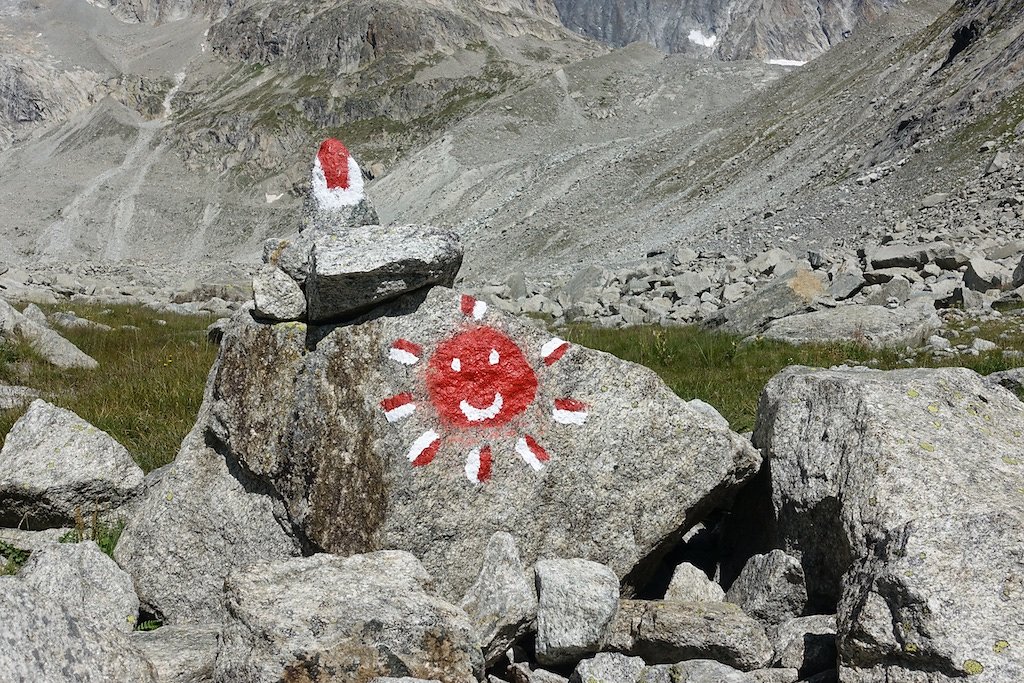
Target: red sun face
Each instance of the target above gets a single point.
(480, 378)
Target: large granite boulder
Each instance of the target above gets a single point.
(789, 294)
(56, 467)
(875, 326)
(435, 422)
(900, 492)
(199, 519)
(85, 582)
(349, 619)
(40, 641)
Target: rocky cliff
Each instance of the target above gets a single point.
(724, 29)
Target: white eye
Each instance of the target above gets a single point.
(456, 364)
(493, 359)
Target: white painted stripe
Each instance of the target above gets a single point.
(551, 346)
(402, 356)
(474, 414)
(337, 198)
(479, 308)
(526, 454)
(473, 465)
(422, 443)
(400, 413)
(570, 417)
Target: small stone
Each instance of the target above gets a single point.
(578, 599)
(277, 296)
(690, 584)
(770, 588)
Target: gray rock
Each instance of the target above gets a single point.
(1017, 279)
(196, 523)
(697, 671)
(771, 260)
(933, 200)
(31, 540)
(85, 582)
(54, 348)
(383, 621)
(690, 284)
(284, 413)
(521, 673)
(36, 315)
(896, 290)
(785, 296)
(1000, 162)
(939, 343)
(55, 466)
(668, 632)
(846, 284)
(277, 296)
(402, 679)
(585, 285)
(215, 330)
(290, 254)
(690, 584)
(1012, 379)
(982, 275)
(70, 321)
(868, 474)
(900, 256)
(807, 644)
(368, 265)
(40, 641)
(875, 326)
(982, 345)
(502, 603)
(770, 588)
(16, 397)
(180, 654)
(609, 667)
(578, 599)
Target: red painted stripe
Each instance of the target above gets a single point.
(556, 354)
(333, 157)
(485, 464)
(389, 404)
(570, 404)
(541, 454)
(428, 454)
(408, 346)
(467, 305)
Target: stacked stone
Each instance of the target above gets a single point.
(342, 262)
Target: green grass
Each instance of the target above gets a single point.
(719, 369)
(148, 388)
(14, 557)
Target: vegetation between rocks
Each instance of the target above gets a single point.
(148, 388)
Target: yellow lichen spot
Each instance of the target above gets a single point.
(933, 408)
(925, 446)
(1000, 646)
(913, 393)
(1010, 460)
(169, 497)
(973, 667)
(936, 424)
(910, 648)
(972, 411)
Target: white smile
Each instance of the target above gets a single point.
(474, 414)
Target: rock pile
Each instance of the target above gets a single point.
(423, 488)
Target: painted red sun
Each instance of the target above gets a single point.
(477, 381)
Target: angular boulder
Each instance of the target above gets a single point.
(85, 582)
(367, 265)
(40, 641)
(332, 618)
(770, 588)
(794, 292)
(196, 523)
(690, 584)
(669, 632)
(875, 326)
(180, 654)
(55, 466)
(900, 492)
(277, 296)
(609, 666)
(577, 600)
(16, 397)
(502, 602)
(982, 275)
(390, 433)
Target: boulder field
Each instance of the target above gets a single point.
(399, 482)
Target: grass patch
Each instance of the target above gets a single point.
(148, 388)
(719, 369)
(105, 534)
(14, 559)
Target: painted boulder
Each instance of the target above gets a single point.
(337, 199)
(436, 422)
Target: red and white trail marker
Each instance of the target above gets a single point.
(473, 307)
(531, 451)
(478, 465)
(553, 349)
(337, 180)
(569, 411)
(405, 352)
(398, 407)
(424, 448)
